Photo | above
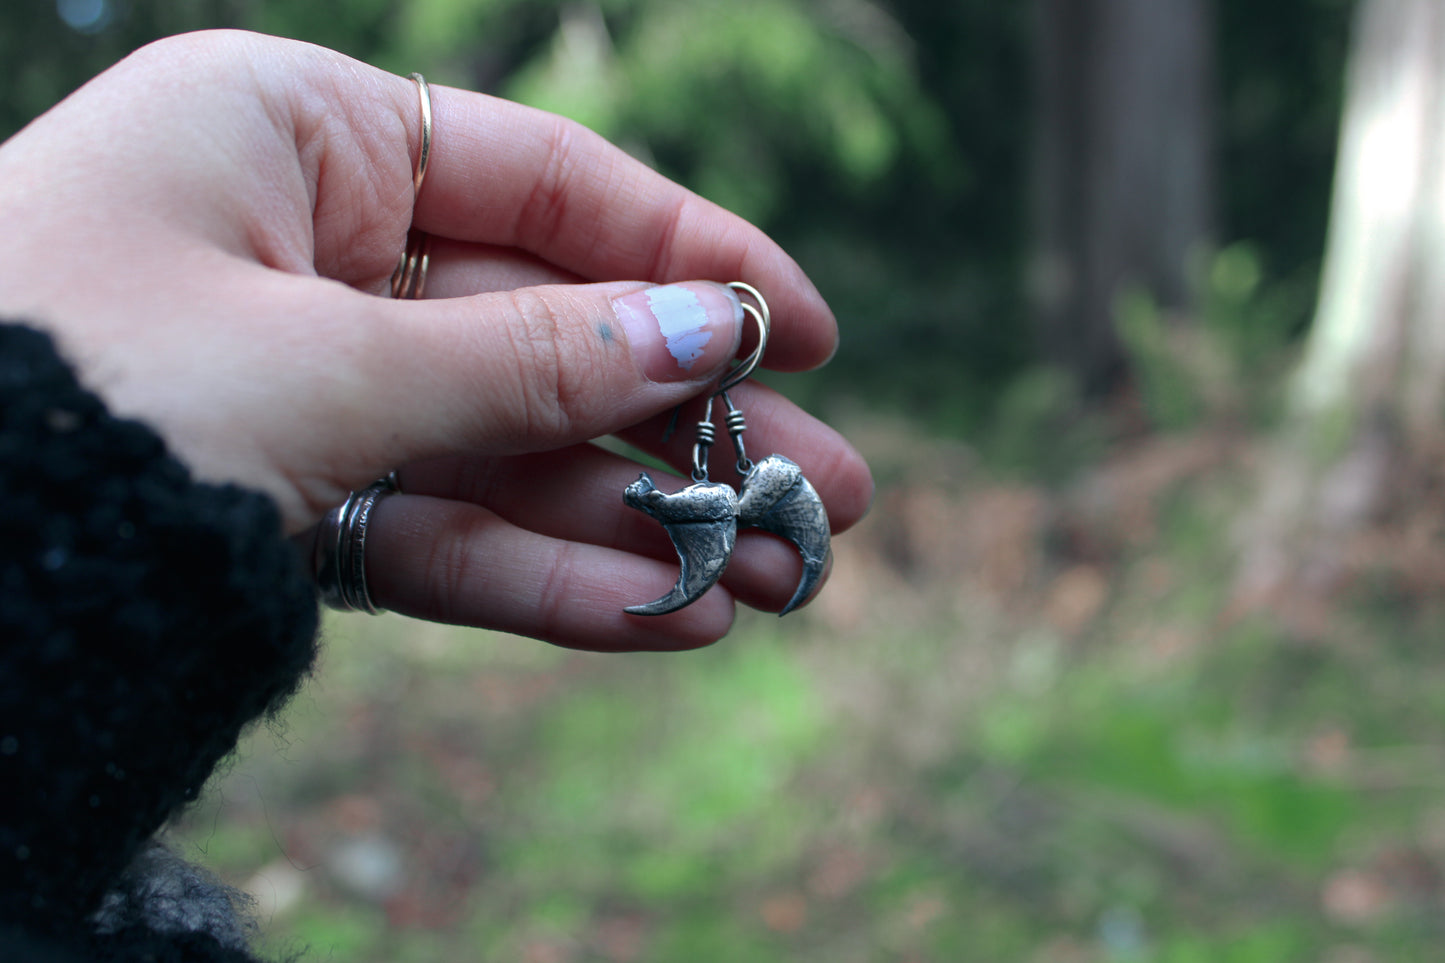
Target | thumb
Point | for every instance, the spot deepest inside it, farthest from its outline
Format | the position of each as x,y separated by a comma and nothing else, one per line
544,367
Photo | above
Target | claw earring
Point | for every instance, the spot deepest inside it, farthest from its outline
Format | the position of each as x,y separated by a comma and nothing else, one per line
703,519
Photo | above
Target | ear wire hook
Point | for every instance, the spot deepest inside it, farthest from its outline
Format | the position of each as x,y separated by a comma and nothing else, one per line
764,318
736,423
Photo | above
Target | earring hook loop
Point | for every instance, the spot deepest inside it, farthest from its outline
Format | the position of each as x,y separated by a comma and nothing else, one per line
764,320
706,431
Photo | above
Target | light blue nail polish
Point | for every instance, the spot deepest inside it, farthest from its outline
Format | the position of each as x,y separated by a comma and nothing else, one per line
683,321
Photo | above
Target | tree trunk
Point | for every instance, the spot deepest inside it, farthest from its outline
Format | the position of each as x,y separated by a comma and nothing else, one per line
1370,388
1123,167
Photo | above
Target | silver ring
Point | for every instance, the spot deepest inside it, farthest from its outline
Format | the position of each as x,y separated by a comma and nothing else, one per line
340,551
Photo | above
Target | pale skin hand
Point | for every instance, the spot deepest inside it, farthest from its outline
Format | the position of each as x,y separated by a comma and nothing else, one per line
209,230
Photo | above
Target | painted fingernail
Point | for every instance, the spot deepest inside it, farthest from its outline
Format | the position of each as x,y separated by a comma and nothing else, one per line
680,331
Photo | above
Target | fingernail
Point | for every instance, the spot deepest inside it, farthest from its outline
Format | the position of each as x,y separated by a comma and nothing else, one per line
680,331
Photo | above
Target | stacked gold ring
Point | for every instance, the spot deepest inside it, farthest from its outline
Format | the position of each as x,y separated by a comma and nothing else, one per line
409,278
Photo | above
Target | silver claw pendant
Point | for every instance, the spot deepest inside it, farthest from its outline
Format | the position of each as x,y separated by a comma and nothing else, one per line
703,519
777,498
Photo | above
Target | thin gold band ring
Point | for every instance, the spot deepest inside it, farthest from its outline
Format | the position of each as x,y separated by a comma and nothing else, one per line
424,94
408,280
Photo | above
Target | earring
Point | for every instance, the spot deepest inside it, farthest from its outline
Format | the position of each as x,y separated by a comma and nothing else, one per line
703,519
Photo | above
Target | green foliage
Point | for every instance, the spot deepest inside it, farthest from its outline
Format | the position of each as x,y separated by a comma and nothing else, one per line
1182,741
937,782
710,935
1193,749
1092,799
1281,80
1273,942
1230,360
885,144
705,778
358,28
45,59
1252,313
1166,371
344,935
1041,428
727,96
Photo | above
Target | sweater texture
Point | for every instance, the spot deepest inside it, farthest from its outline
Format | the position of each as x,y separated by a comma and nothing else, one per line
145,619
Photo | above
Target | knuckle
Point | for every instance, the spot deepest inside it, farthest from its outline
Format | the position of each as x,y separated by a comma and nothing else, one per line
451,572
556,592
534,339
551,394
541,217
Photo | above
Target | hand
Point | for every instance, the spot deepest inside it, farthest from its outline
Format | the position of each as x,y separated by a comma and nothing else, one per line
209,229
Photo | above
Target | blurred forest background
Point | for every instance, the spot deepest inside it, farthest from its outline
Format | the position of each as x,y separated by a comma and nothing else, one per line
1137,656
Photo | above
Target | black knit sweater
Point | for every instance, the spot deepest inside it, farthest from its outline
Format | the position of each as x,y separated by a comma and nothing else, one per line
145,618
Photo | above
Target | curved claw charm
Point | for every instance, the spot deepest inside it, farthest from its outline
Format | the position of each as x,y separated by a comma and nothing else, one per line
702,521
777,498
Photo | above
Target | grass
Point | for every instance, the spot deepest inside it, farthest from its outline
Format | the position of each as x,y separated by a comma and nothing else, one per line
1021,724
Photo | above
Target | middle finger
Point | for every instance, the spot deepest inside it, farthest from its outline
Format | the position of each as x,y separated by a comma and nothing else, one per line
575,494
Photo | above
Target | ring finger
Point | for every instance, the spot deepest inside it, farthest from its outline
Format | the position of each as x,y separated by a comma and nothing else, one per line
576,494
450,561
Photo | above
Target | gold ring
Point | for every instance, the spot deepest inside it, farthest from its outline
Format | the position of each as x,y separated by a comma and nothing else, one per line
424,93
409,278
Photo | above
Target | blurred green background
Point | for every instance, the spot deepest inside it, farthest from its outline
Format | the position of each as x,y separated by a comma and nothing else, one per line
1033,716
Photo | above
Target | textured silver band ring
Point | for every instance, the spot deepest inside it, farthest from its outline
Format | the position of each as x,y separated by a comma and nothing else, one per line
340,551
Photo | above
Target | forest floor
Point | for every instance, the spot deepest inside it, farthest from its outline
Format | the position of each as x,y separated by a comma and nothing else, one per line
1023,722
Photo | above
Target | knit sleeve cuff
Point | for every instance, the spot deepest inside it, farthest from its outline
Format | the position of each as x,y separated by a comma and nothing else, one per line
145,618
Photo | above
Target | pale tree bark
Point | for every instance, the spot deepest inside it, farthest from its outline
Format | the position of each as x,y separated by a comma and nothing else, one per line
1370,389
1123,172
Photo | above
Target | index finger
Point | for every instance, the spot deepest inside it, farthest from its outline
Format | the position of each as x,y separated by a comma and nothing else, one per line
505,174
